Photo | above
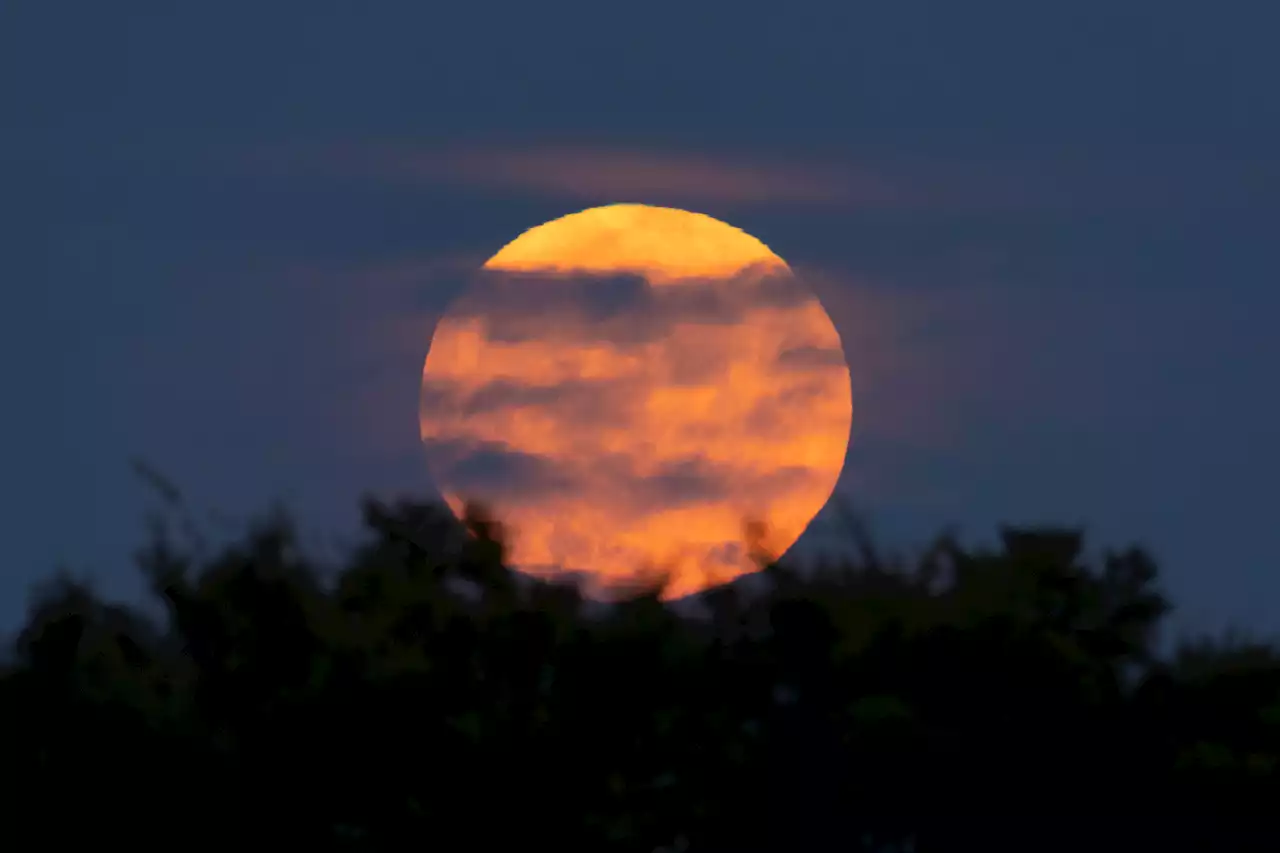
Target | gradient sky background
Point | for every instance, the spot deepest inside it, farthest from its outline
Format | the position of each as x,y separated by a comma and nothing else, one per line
1046,232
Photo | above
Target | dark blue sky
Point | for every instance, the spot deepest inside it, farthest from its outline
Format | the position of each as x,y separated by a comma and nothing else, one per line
1045,231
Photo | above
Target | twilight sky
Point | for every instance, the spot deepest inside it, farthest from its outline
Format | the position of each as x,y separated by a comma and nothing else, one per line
1044,232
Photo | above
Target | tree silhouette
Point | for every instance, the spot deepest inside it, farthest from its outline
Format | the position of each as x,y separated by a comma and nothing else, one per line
421,695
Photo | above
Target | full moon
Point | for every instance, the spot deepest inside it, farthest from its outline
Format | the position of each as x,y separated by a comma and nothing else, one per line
628,385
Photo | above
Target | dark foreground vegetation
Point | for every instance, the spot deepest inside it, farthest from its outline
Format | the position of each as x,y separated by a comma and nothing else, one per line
422,697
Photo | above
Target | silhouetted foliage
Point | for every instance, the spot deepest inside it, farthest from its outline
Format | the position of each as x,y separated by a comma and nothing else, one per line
422,696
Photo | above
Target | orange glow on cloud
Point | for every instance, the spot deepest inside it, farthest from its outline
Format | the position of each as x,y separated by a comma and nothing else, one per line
626,385
595,173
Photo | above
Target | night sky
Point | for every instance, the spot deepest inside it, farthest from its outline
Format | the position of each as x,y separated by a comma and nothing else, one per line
1045,233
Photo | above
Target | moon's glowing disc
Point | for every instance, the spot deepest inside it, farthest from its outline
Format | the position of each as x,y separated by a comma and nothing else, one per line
625,386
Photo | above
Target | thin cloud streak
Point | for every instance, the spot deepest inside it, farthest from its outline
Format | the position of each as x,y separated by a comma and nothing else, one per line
918,359
603,175
591,174
1157,179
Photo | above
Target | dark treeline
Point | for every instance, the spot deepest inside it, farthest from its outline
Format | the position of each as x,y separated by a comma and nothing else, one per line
421,696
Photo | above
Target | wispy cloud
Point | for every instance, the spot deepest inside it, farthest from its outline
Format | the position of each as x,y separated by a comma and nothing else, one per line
604,174
665,415
1050,182
592,174
918,358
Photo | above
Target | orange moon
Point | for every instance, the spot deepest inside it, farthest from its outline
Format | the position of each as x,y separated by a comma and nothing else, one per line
625,386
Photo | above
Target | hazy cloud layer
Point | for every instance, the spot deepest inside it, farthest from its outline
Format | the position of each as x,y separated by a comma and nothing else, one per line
1133,178
593,174
623,309
617,424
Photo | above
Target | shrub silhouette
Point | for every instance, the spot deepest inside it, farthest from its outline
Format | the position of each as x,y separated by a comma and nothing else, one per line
422,696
